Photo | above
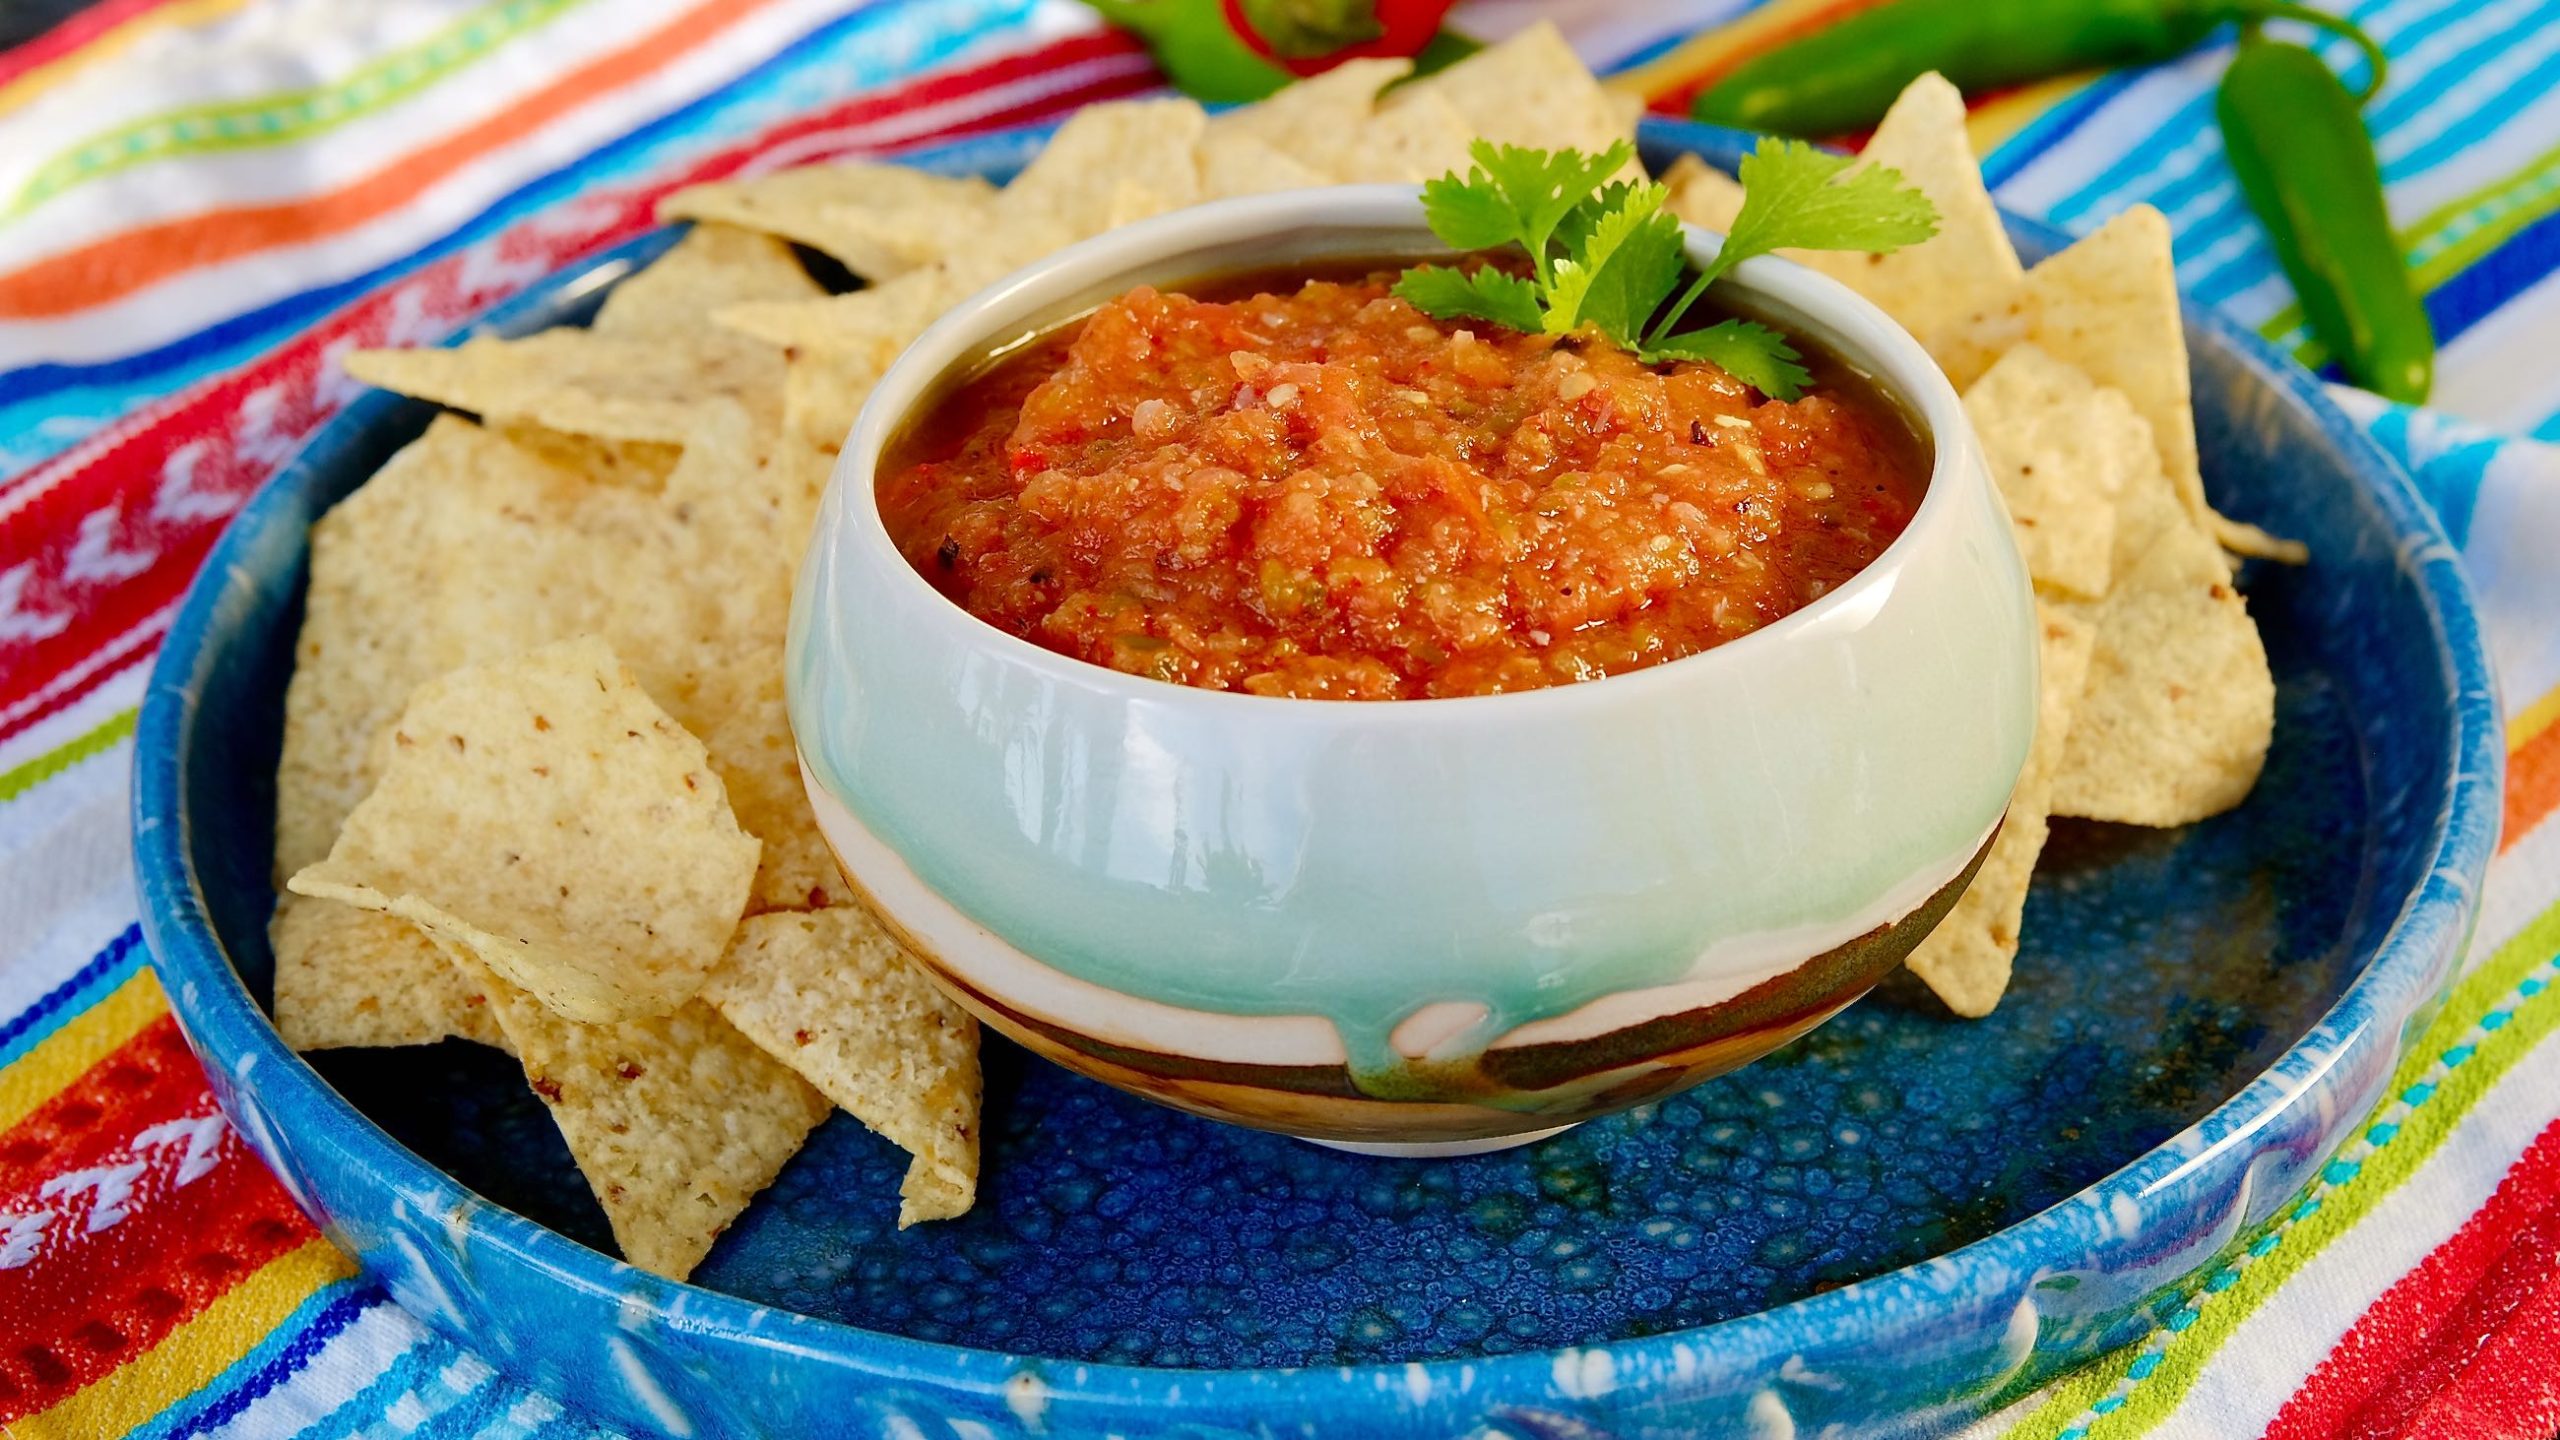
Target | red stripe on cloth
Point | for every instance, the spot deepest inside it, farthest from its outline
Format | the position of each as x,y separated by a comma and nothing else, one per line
98,539
139,1207
2512,1387
71,34
2418,1338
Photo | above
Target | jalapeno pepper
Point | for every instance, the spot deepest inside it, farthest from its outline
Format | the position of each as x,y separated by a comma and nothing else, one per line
2298,144
1842,77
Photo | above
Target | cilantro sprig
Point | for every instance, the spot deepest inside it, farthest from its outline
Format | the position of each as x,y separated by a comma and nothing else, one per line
1608,255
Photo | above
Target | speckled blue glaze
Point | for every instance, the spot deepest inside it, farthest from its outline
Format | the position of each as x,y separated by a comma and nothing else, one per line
1888,1227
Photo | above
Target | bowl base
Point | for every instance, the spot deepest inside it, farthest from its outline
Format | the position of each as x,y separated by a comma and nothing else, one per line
1437,1149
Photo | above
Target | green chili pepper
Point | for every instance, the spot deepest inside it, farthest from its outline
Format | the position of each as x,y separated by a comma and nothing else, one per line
1843,77
2299,147
1195,47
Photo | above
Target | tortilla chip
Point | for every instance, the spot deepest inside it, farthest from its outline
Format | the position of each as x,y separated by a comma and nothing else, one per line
1416,139
2242,538
1967,959
2180,706
676,1122
633,464
830,994
880,220
581,381
1233,164
1096,169
544,814
1529,90
2059,447
1307,120
711,267
1938,289
350,977
2109,305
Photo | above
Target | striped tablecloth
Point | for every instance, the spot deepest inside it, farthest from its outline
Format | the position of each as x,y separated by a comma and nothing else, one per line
203,201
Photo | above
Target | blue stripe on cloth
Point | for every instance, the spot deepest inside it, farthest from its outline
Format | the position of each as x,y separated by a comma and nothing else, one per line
31,1026
2474,293
2040,134
2449,459
847,54
269,1363
2549,429
367,1406
2166,136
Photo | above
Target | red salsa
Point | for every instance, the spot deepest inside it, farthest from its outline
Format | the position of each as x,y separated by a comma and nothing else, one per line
1326,494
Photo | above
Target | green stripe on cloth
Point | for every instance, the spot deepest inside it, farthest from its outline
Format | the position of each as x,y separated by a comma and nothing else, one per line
2447,242
2444,1075
22,778
292,115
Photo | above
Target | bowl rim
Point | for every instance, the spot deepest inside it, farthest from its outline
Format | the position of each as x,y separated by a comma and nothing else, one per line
228,1027
1859,333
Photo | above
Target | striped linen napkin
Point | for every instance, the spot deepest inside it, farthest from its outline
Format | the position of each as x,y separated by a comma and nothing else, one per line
202,201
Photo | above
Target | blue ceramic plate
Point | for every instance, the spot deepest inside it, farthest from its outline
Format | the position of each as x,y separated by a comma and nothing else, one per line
1895,1223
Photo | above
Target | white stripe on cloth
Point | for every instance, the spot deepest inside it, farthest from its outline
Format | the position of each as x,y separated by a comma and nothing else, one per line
197,298
2504,372
122,691
2265,1359
325,159
258,49
66,876
351,1360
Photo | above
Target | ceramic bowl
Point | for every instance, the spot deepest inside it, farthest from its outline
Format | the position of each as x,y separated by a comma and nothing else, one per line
1441,923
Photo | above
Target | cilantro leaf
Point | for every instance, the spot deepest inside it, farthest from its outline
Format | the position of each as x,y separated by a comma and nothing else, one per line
1748,350
1542,187
1795,196
1613,275
1487,294
1470,214
1607,254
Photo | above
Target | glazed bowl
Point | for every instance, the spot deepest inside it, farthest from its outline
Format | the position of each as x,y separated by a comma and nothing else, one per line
1426,925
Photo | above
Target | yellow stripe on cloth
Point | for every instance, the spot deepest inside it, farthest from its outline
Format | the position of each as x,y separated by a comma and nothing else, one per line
1996,119
191,1356
2537,717
67,1053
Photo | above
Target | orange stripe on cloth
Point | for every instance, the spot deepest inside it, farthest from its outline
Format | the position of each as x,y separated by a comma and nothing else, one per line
36,79
117,265
2533,783
194,1353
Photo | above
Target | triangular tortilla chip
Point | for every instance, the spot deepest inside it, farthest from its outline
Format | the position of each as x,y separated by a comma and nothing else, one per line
1105,154
1529,90
1967,959
347,977
676,1122
545,815
1941,288
2109,306
1233,164
583,381
1307,120
711,267
830,994
2059,447
2180,706
880,220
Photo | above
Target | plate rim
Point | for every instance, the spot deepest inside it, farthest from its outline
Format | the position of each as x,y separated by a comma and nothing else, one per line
2401,978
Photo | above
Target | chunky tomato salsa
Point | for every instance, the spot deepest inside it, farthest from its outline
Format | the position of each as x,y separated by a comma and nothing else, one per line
1324,494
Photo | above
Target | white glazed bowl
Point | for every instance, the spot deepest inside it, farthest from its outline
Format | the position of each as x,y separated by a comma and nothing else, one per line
1431,923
